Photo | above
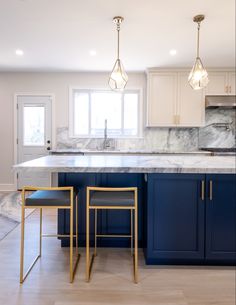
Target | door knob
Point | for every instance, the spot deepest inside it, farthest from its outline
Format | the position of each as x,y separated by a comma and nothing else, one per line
48,148
48,141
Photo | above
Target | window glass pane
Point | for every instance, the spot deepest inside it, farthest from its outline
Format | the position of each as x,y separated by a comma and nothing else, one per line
81,113
131,114
34,125
106,106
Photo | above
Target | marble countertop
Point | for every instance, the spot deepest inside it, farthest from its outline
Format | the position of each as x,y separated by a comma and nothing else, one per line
130,164
75,151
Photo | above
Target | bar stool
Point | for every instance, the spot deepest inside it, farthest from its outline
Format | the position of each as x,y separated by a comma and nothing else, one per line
49,197
106,198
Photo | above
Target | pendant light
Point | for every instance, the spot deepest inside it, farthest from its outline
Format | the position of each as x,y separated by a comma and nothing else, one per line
198,77
118,78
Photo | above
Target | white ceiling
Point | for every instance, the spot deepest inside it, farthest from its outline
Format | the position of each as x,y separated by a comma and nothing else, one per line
58,34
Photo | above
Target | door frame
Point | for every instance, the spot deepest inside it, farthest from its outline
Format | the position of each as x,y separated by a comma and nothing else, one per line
15,145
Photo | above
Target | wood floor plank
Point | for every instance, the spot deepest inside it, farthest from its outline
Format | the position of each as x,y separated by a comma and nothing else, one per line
111,282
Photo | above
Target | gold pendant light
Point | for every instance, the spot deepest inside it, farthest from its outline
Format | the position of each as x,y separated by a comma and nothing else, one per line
198,77
118,78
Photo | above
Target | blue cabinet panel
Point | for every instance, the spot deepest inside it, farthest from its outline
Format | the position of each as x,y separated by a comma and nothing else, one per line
221,218
175,218
109,222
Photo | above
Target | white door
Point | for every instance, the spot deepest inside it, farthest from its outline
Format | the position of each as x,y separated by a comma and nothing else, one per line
33,135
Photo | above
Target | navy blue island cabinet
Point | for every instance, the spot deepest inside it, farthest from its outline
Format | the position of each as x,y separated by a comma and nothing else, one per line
221,218
190,219
183,218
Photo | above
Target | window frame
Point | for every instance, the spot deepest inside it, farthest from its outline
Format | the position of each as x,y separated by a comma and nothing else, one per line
73,89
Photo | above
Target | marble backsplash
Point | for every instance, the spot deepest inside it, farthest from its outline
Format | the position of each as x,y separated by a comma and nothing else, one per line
219,131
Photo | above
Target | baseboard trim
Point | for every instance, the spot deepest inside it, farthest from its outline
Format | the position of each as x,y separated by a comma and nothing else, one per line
7,187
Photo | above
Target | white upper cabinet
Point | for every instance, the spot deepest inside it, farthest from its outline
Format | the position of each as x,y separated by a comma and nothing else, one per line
218,83
162,96
190,106
221,83
171,102
231,81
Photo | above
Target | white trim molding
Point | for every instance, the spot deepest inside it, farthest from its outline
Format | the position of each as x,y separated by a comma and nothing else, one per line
7,187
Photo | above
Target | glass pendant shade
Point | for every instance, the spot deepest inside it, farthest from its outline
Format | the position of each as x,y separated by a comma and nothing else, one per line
118,78
198,77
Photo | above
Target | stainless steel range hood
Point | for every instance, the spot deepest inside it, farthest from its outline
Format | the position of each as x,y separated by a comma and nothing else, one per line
213,101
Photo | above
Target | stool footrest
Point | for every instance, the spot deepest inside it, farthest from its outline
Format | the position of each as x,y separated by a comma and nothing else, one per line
113,235
57,235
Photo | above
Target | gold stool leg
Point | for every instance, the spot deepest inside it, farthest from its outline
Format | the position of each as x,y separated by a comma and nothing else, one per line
22,275
40,232
22,241
87,239
136,239
131,233
95,234
71,238
76,224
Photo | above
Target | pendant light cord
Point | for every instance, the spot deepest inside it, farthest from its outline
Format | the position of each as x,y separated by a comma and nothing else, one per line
198,38
118,41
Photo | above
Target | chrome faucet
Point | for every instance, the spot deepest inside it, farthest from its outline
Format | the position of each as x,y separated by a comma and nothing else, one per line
105,141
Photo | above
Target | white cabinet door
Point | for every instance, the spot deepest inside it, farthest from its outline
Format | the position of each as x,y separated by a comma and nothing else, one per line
162,96
231,82
191,106
218,82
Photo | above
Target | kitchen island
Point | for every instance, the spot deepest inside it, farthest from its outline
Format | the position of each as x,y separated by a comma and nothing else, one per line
186,203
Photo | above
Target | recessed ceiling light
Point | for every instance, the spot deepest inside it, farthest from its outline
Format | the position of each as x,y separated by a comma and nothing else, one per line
173,52
19,52
93,52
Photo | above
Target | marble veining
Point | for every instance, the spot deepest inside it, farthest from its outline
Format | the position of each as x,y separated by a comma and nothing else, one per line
166,139
130,164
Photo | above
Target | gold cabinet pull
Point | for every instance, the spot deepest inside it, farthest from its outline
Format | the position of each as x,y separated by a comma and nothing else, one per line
203,190
211,190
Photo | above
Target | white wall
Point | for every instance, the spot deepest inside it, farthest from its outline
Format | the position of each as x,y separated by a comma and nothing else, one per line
40,82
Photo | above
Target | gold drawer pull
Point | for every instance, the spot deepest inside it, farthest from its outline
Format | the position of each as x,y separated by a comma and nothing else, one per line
211,190
203,190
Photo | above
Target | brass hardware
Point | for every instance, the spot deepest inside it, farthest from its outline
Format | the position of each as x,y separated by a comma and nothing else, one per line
71,235
203,190
178,119
211,190
226,89
118,19
89,262
198,18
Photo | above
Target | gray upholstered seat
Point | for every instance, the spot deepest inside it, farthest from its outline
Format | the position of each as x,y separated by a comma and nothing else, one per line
112,198
49,198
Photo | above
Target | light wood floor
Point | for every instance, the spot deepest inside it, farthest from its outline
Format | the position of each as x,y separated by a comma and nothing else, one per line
111,281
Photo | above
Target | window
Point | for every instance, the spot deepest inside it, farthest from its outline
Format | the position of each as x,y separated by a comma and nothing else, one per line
34,123
89,109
